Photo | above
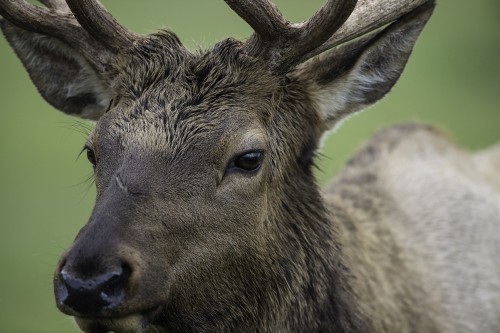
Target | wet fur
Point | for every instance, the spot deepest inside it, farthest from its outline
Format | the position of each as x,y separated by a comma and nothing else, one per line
219,252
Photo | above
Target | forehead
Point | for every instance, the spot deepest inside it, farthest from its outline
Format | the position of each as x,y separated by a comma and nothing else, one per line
158,66
174,99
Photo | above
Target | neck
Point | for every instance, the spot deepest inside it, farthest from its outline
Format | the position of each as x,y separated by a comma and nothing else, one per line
298,283
319,298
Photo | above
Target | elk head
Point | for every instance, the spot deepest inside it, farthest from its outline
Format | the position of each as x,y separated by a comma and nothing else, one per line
207,215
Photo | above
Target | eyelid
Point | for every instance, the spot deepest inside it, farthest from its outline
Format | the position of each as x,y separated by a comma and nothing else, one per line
110,105
232,168
87,147
89,144
243,153
81,151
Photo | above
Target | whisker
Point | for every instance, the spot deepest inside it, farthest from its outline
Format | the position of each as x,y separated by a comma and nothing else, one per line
82,127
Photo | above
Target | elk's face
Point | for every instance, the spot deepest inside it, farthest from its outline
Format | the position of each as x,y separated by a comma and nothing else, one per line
203,161
183,169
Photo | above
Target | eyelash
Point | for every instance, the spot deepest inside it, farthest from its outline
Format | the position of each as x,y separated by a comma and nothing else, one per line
248,162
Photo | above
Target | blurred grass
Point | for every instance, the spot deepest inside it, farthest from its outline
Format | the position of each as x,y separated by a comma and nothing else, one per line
452,80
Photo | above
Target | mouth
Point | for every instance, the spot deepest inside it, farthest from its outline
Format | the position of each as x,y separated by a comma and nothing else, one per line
131,323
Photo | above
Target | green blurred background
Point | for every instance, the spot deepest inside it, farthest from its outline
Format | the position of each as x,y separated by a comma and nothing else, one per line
452,80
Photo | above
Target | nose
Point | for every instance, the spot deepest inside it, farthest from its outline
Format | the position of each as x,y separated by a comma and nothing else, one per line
90,295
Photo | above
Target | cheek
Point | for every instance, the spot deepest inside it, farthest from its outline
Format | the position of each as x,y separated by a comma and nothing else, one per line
227,228
241,206
239,190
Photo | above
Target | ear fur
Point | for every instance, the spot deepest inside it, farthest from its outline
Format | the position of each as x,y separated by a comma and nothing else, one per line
62,76
354,76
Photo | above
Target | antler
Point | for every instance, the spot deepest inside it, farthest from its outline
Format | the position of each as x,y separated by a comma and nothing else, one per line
281,43
100,24
284,45
83,24
369,15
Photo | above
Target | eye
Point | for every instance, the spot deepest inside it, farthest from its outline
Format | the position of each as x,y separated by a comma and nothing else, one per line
247,162
91,156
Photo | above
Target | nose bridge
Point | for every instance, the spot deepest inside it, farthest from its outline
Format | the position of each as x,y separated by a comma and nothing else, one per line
136,176
100,241
134,194
140,179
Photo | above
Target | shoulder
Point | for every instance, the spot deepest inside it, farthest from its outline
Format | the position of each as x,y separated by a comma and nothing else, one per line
411,167
418,170
410,140
399,146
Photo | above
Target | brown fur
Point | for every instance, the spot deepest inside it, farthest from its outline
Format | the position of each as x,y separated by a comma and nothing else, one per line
195,244
377,232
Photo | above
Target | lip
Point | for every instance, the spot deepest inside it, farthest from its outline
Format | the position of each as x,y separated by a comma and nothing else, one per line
129,323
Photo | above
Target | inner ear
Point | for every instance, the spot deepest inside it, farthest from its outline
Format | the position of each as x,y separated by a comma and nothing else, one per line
62,76
354,76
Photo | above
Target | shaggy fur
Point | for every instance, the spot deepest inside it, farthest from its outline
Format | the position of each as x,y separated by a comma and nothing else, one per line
194,243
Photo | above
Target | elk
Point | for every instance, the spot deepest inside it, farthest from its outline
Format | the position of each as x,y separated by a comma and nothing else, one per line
208,217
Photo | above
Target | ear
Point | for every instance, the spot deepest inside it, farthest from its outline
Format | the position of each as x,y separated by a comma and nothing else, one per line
62,76
354,76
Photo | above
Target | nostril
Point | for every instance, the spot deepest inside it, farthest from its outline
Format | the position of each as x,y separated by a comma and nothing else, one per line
91,295
114,287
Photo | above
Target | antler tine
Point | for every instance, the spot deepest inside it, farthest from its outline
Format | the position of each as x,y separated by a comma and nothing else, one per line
90,14
57,22
326,22
56,4
315,31
368,16
262,15
29,17
99,23
284,44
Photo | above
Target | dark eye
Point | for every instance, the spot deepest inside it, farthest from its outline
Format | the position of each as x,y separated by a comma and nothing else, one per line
91,156
248,162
